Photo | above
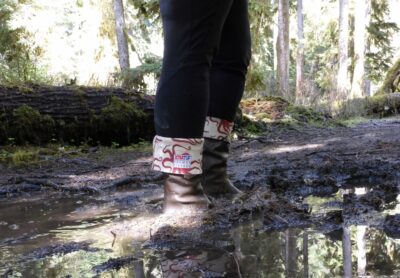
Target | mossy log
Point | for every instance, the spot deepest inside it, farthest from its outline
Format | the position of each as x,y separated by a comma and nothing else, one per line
383,105
391,83
39,114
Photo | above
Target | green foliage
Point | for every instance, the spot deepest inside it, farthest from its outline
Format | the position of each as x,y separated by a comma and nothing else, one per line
380,38
17,58
148,15
135,77
321,58
261,74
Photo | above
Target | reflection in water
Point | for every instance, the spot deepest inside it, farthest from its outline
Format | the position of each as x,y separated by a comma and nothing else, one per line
197,263
361,251
246,251
290,253
346,246
305,254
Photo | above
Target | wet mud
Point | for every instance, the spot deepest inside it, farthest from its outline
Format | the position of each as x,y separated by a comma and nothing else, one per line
317,202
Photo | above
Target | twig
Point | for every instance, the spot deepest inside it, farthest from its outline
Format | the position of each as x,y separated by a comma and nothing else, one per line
115,236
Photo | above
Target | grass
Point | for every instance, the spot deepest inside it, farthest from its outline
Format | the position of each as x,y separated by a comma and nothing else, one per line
19,156
353,121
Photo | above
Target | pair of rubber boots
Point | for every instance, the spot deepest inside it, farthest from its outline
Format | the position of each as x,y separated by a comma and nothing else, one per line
185,193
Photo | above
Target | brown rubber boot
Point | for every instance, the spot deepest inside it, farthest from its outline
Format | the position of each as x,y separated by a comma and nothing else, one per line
184,194
215,179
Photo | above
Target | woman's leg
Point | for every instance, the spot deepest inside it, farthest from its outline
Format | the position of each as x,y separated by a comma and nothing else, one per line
192,31
227,80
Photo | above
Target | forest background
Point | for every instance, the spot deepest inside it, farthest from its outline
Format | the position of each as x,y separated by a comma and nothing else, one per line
316,53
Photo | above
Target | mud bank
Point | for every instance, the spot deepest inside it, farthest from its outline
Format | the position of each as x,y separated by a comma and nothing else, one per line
321,202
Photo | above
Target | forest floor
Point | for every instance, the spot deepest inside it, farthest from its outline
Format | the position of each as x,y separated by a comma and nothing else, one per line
323,179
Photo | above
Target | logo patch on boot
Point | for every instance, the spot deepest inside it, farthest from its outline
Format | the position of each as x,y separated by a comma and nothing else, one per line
183,161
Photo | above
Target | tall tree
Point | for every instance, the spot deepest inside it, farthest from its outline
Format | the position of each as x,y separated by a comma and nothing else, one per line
360,15
123,50
300,52
342,88
367,82
380,38
283,48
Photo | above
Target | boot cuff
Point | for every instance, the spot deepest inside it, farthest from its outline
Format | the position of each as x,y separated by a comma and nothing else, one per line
218,129
177,155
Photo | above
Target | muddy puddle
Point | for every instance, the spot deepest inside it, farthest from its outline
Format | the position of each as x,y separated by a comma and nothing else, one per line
79,236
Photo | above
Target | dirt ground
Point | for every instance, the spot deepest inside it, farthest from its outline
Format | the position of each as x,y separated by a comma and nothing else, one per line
289,175
289,163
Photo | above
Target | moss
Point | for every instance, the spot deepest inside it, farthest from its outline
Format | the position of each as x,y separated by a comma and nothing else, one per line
24,89
392,74
121,122
28,125
79,92
305,115
19,156
260,113
23,157
383,105
265,109
142,146
353,121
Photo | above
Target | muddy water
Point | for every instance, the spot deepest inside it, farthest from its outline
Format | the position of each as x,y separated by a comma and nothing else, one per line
54,236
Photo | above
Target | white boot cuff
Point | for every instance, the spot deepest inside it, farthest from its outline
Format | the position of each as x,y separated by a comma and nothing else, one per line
177,155
216,128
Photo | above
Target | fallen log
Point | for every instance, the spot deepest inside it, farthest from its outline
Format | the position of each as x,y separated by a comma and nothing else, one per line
41,114
383,105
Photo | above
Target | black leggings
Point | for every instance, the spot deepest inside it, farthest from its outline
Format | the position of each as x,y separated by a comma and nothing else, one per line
207,52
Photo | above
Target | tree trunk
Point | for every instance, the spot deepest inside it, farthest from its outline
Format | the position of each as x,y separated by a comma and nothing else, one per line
68,102
305,254
283,49
123,51
342,87
300,52
346,245
358,85
367,83
290,253
42,114
361,250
